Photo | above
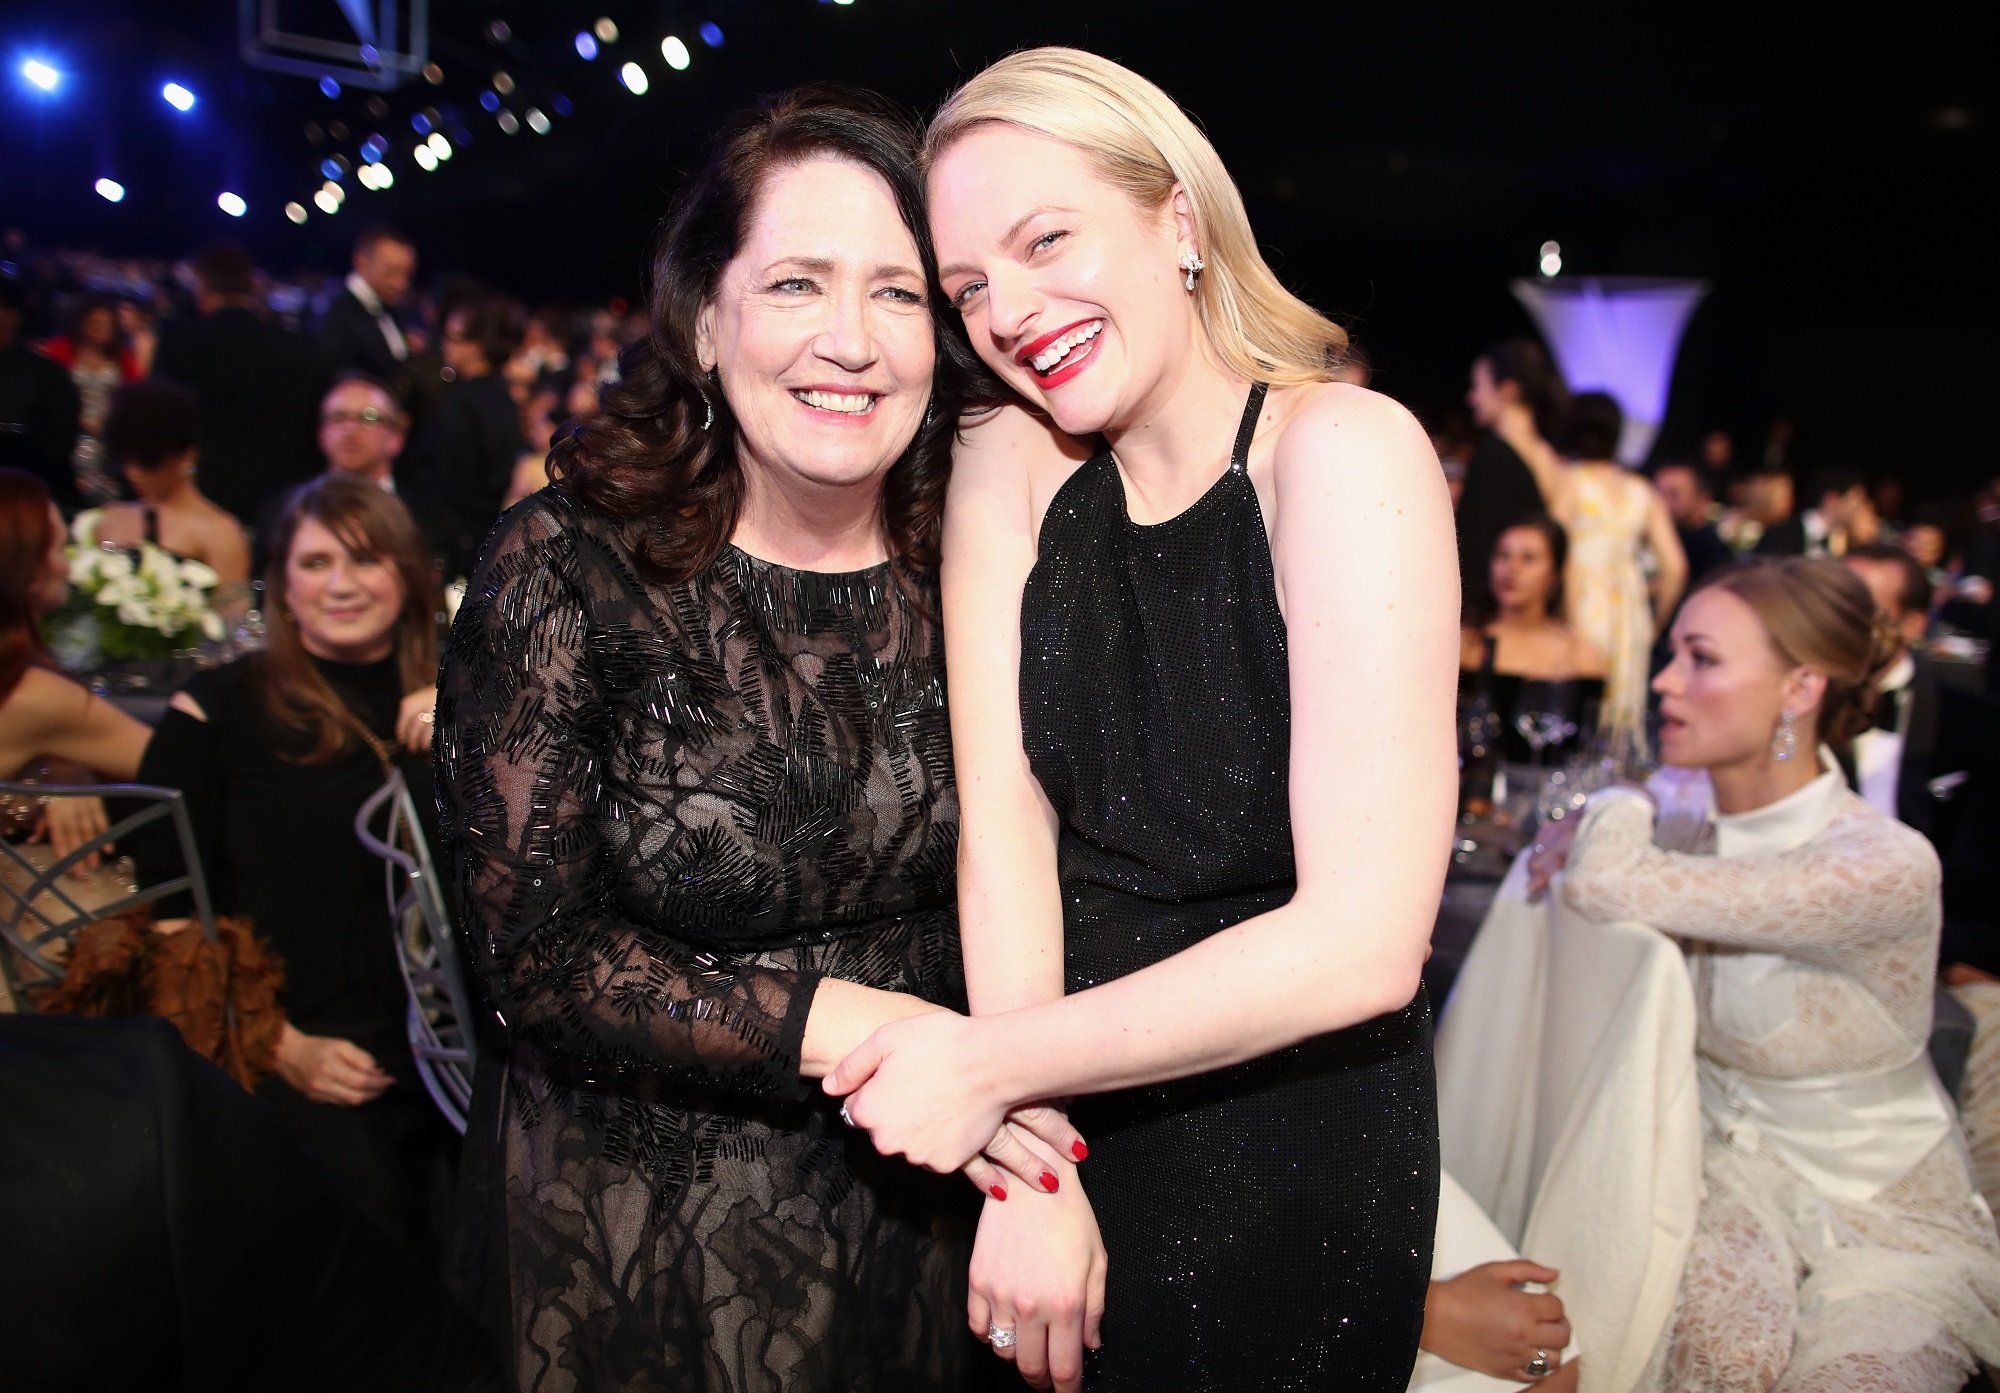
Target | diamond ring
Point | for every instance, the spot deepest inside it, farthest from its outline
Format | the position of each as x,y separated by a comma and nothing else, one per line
1000,1336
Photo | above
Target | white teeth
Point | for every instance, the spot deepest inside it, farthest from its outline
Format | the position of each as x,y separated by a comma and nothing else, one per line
1060,349
852,403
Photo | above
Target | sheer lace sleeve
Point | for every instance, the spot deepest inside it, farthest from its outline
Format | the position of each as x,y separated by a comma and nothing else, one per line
1865,881
544,672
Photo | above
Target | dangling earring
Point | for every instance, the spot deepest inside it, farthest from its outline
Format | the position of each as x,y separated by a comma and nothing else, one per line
1785,743
1193,265
708,408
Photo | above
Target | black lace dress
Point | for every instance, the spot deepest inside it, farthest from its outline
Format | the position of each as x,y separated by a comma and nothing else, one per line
1269,1226
670,810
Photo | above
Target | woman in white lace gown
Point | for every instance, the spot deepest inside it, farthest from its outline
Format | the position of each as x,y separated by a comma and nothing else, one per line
1840,1244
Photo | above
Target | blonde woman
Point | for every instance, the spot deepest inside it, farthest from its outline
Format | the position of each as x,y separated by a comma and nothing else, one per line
1201,689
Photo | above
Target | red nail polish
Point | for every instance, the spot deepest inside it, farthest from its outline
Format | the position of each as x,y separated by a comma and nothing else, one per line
1049,1181
1078,1149
996,1192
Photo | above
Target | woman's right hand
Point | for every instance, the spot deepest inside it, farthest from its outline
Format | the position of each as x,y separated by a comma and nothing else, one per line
1483,1320
327,1069
1549,854
1038,1269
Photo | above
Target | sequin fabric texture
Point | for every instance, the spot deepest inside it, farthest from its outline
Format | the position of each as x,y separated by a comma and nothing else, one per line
1269,1226
670,812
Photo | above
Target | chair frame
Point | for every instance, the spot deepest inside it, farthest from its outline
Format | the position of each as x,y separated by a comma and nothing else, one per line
439,1024
29,929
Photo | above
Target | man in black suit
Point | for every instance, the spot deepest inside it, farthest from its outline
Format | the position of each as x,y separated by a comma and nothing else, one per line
39,406
359,331
1688,490
1840,503
257,382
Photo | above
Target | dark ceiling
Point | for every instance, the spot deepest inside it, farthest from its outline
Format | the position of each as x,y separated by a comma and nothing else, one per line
1401,163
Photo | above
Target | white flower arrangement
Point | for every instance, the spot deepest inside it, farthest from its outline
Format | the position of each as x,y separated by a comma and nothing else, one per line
139,603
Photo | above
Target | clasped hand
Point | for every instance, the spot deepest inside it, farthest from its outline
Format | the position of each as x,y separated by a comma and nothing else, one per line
923,1089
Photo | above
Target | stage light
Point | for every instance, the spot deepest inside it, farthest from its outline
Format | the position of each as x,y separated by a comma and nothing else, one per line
110,190
296,212
232,204
586,46
711,34
333,191
426,161
326,202
490,101
635,79
373,149
503,84
365,176
1551,262
537,122
385,177
676,53
433,74
607,32
177,97
563,105
508,122
439,146
43,75
331,88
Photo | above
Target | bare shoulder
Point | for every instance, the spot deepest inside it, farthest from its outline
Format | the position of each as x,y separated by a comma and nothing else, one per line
1338,426
43,701
1014,454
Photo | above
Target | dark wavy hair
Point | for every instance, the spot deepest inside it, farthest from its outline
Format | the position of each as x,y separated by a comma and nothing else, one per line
1528,366
643,456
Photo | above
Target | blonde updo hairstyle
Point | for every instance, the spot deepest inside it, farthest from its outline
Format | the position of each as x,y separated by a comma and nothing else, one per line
1818,614
1144,144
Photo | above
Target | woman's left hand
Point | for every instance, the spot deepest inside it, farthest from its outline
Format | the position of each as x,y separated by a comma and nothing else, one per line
923,1089
67,823
414,719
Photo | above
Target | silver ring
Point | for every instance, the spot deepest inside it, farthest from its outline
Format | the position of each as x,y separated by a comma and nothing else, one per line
1000,1336
846,1116
1538,1367
427,717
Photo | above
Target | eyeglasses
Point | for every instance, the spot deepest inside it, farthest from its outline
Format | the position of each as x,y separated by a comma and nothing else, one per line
366,416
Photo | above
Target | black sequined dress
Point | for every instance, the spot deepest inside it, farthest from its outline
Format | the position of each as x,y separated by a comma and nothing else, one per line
1269,1226
670,811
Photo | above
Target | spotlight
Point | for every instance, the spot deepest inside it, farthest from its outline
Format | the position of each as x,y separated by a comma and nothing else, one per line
385,177
607,32
490,101
634,78
334,192
42,74
586,46
296,212
503,83
110,190
426,161
421,124
177,97
675,52
537,122
232,204
509,123
326,202
331,88
373,148
439,146
1551,262
711,34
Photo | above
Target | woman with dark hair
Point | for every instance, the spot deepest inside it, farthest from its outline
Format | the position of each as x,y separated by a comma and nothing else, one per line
1517,635
466,450
1613,514
696,789
42,712
94,353
1840,1243
150,435
276,753
1518,400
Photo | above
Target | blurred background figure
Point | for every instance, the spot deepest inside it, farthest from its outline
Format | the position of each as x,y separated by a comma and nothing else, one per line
1518,401
1687,490
258,385
465,451
39,407
360,330
94,353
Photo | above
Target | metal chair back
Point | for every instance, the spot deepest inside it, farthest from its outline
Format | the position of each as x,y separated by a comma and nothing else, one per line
41,909
440,1020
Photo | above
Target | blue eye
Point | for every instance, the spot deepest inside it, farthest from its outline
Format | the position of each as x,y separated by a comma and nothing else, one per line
966,292
793,283
1046,240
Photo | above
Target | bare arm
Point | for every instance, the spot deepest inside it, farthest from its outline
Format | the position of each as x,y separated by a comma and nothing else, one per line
48,714
1364,550
1670,557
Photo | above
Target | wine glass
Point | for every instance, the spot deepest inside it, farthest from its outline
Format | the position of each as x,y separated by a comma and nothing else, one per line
1542,717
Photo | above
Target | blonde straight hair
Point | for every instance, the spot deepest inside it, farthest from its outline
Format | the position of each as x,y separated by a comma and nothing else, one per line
1144,144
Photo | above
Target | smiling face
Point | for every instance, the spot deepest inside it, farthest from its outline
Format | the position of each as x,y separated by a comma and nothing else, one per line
1524,570
1069,291
820,330
1723,692
345,602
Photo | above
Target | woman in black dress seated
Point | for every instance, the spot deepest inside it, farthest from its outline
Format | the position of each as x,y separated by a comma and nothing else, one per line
697,792
1202,713
275,754
1516,644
